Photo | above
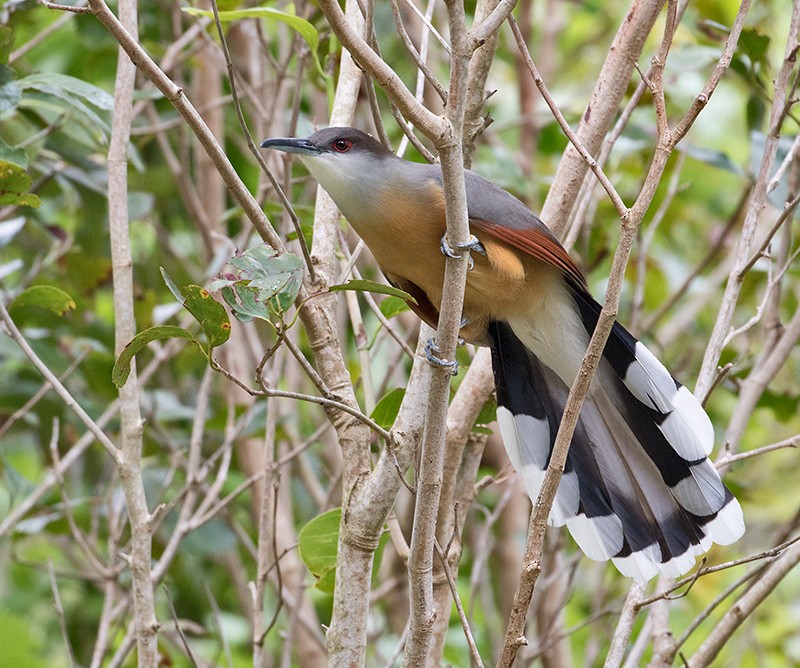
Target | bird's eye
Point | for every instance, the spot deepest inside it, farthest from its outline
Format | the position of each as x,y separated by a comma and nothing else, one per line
342,145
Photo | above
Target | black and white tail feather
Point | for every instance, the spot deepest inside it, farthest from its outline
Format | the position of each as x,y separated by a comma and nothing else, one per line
638,487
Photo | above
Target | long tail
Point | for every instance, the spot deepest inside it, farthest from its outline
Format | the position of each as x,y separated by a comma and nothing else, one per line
638,487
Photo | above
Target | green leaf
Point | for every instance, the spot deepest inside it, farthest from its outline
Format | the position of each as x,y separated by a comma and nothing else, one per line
262,283
755,44
13,154
488,412
14,186
318,543
204,308
385,411
209,313
392,306
6,43
362,285
10,92
73,92
122,367
69,87
45,296
302,27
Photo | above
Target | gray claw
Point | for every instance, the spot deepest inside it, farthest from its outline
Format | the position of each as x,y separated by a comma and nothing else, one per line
430,349
473,244
447,249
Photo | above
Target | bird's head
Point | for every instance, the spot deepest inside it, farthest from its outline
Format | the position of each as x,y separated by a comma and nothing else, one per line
349,164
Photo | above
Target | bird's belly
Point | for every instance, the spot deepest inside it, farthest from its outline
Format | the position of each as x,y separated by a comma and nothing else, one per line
505,282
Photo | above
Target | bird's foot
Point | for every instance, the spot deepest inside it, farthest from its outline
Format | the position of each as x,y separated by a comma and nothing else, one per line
431,352
473,244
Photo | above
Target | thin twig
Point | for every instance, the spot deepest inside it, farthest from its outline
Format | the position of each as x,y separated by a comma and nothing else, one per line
793,442
59,388
322,401
707,570
173,613
73,9
59,608
622,209
473,648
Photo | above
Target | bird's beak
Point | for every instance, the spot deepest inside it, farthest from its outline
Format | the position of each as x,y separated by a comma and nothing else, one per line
292,145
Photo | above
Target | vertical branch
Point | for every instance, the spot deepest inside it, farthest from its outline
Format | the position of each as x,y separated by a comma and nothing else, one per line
464,408
130,460
347,635
450,144
429,485
622,633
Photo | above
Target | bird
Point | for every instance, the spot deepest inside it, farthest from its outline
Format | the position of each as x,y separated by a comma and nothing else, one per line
638,487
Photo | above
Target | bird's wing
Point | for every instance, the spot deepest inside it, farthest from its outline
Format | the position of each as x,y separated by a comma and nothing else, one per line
536,241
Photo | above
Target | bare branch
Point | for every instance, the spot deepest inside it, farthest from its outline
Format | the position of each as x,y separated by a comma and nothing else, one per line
793,442
473,648
622,633
129,462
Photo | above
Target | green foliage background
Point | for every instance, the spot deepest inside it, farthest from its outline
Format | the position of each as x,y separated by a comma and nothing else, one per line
55,112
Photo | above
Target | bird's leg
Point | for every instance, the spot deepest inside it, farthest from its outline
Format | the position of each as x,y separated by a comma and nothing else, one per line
473,244
431,350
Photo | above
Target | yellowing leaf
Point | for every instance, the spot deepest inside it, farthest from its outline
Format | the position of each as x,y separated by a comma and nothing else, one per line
45,296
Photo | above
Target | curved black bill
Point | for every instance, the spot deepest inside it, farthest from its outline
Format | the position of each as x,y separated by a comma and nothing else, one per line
292,145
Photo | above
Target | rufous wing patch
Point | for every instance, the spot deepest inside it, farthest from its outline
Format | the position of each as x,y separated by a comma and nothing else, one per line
535,241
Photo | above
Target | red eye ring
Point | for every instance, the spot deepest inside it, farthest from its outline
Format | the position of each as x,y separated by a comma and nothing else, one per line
342,145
